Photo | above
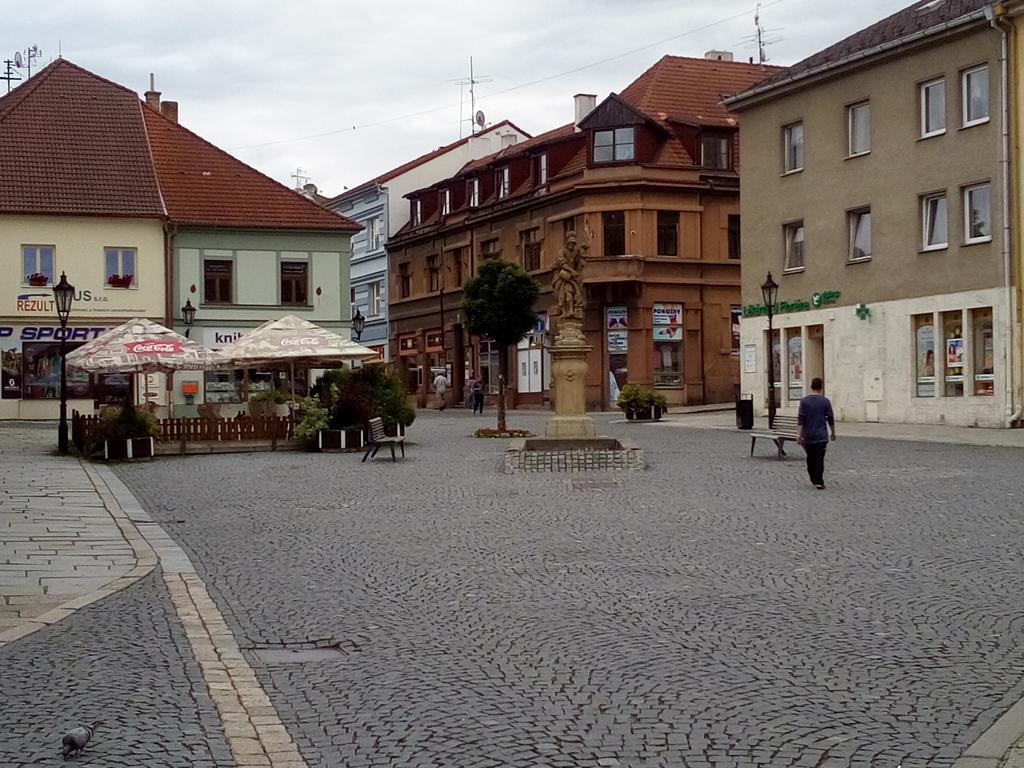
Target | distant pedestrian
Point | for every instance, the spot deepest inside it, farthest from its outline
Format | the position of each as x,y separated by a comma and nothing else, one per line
817,426
478,395
440,387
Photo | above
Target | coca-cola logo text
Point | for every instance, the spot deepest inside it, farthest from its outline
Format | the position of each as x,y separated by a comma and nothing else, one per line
153,347
300,341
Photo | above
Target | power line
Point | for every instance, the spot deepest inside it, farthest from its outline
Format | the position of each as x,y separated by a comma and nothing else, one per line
548,78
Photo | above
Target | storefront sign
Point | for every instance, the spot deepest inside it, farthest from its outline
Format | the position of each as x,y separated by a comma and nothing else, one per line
40,302
818,299
215,338
153,347
668,314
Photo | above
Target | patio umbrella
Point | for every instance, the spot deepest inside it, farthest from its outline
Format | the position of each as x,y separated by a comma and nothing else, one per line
294,341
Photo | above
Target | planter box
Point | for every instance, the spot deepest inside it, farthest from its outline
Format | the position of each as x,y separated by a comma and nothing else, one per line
38,282
394,430
340,439
119,281
135,448
652,413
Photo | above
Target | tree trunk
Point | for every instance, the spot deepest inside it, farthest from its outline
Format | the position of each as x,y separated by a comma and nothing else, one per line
502,379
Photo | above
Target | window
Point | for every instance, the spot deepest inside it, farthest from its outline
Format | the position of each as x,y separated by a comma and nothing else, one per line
952,325
433,274
795,363
975,95
933,108
120,266
614,233
615,145
542,169
714,152
984,354
978,214
859,128
924,355
446,202
668,233
474,192
529,242
667,332
793,143
417,212
734,236
41,363
37,263
859,223
794,234
934,232
568,225
490,249
456,256
373,233
294,282
375,304
501,182
735,315
217,276
404,280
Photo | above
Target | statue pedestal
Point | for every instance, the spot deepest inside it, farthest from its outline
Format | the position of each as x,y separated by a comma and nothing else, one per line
568,374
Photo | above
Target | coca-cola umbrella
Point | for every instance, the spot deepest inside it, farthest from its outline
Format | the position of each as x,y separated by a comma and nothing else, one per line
294,341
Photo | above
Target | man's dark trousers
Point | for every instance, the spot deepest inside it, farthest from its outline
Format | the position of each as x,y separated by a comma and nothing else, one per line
816,462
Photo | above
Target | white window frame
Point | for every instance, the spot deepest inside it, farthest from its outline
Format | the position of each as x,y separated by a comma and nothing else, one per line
121,251
37,259
374,304
926,222
787,142
542,168
446,202
474,193
850,110
373,233
965,99
968,240
502,176
789,233
853,218
923,98
417,212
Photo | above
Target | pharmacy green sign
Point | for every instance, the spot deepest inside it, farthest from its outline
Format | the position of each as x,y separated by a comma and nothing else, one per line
818,299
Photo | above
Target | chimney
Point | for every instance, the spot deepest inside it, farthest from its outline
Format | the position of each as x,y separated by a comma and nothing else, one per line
169,109
719,55
585,103
153,95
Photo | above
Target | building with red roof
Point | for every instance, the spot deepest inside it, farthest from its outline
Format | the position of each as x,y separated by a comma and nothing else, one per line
650,177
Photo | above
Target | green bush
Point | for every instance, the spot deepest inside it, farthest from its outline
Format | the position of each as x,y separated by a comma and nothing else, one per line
633,398
270,396
313,417
126,423
354,396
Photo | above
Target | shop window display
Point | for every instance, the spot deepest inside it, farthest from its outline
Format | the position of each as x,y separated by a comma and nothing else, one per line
953,352
924,355
984,354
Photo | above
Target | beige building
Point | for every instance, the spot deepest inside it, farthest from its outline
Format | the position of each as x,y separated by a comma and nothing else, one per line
873,191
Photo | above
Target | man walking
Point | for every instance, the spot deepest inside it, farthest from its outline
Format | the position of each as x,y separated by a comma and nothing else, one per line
817,425
440,387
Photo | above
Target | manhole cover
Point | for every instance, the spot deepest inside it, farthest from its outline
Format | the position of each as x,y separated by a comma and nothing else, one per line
584,484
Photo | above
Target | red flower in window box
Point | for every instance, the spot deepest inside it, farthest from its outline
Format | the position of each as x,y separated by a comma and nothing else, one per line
37,279
120,281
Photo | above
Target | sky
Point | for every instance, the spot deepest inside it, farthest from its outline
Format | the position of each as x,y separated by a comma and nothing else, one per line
347,90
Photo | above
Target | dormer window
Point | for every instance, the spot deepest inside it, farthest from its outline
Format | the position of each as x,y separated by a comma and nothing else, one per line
501,182
474,192
542,169
417,212
615,145
446,202
714,152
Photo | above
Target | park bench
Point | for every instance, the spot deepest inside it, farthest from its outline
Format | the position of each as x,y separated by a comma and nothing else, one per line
783,428
377,438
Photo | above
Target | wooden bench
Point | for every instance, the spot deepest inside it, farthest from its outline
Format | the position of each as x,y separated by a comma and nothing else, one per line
783,428
377,438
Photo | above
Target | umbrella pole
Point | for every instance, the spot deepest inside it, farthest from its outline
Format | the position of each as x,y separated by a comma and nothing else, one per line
291,405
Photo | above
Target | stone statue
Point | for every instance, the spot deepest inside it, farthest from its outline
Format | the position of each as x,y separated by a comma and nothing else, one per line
568,278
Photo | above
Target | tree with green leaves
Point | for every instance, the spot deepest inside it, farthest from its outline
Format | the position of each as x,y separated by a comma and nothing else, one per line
498,303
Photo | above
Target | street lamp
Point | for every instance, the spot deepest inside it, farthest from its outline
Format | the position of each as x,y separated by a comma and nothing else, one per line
188,314
358,324
63,295
769,292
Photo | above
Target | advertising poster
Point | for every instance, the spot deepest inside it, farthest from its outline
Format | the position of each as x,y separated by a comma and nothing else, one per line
925,354
11,372
668,314
954,353
668,333
617,317
618,341
795,358
750,358
777,359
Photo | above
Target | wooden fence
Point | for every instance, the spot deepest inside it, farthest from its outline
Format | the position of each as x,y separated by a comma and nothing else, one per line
192,430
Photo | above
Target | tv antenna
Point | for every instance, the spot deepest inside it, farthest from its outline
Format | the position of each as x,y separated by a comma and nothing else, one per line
9,74
301,178
762,37
472,81
31,53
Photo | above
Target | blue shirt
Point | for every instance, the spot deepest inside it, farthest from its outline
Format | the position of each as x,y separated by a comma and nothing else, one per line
815,416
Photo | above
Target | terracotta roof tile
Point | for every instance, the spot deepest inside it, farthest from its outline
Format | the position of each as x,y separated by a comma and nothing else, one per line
73,143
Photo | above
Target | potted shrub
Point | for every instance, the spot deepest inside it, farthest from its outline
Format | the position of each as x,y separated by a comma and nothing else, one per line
120,281
639,403
37,279
347,422
265,402
312,418
127,433
658,404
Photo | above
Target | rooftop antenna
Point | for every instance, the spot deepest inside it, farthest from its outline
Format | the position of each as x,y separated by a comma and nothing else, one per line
471,81
762,37
301,178
9,74
32,52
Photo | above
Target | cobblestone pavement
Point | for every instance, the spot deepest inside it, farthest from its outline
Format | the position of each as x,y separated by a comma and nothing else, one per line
714,610
57,541
124,660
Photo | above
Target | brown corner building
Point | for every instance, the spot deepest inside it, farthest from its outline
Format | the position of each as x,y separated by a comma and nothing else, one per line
651,178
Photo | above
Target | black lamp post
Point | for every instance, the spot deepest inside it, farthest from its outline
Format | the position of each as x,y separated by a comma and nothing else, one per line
188,314
358,324
63,295
770,292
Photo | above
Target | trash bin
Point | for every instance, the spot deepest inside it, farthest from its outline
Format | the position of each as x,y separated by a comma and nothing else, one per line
745,412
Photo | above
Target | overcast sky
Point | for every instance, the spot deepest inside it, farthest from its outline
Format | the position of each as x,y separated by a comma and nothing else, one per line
256,77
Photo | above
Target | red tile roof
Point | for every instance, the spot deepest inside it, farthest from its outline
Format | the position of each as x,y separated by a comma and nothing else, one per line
205,186
77,144
74,143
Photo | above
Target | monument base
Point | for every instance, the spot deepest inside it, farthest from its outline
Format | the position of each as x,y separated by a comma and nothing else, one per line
570,427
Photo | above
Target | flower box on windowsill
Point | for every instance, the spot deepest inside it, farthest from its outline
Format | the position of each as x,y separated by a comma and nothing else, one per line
340,439
120,281
37,280
134,448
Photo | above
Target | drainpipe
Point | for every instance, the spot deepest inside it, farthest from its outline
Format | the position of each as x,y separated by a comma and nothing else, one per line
997,18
